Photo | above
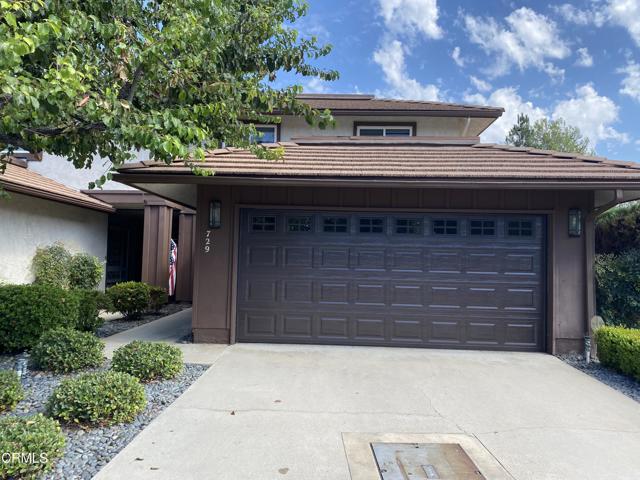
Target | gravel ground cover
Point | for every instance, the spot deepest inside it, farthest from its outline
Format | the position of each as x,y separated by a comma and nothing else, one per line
111,327
622,383
87,451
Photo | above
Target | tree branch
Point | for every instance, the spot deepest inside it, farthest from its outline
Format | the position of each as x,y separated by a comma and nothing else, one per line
128,89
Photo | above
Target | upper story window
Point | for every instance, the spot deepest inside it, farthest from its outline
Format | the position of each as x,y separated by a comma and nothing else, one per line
266,134
384,131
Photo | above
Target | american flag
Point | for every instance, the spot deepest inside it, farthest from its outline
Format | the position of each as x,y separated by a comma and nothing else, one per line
173,259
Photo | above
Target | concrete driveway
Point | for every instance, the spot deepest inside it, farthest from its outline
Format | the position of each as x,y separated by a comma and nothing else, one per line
294,412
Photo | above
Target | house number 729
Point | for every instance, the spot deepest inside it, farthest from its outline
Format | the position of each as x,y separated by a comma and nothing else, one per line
207,241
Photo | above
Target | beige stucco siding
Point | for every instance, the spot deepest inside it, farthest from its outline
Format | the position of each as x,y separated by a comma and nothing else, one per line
27,223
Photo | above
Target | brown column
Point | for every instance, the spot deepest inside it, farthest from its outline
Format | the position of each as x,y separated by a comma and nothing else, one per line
155,243
186,245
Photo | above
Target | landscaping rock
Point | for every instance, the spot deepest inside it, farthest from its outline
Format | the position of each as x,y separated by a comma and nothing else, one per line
111,327
88,450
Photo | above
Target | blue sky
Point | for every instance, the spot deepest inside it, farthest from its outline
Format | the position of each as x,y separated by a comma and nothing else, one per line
571,60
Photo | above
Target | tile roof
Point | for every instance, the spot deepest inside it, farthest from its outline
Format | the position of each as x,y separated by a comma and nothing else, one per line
349,104
427,161
22,180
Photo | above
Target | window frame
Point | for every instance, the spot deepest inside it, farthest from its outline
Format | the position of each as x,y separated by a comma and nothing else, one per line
371,226
508,229
299,218
445,233
276,132
411,126
419,227
252,223
482,227
336,217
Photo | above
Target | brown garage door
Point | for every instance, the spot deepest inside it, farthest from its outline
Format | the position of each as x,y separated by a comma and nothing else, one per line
361,278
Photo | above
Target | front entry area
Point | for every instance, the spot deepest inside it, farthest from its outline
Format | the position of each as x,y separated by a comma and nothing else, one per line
450,280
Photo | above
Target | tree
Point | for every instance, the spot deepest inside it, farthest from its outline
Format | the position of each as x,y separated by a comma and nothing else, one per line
548,135
80,78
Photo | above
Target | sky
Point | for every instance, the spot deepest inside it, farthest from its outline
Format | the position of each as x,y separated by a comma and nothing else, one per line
578,61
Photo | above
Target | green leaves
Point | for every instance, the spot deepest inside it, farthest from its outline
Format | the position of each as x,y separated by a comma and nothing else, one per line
548,135
80,79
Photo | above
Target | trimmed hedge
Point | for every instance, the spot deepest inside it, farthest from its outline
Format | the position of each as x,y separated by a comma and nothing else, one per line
103,398
157,298
27,311
85,271
11,391
619,348
618,288
64,350
129,298
88,310
34,442
51,265
148,361
618,229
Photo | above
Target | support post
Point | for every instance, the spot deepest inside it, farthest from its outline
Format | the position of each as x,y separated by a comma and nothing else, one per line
186,246
155,243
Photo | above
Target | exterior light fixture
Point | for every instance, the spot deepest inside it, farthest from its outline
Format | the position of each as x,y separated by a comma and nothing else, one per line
214,214
575,222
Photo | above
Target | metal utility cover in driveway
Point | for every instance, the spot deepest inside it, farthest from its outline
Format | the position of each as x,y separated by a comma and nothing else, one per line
409,461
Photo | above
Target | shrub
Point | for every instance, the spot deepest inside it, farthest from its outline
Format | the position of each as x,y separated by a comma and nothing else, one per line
64,350
36,435
147,360
51,265
619,348
85,271
618,229
88,312
618,288
129,298
27,311
157,298
103,398
11,391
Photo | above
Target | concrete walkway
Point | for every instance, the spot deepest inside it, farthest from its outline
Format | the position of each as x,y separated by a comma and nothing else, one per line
170,329
304,412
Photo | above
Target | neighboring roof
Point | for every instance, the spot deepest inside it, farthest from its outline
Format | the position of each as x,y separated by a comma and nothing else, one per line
348,104
431,160
22,180
131,199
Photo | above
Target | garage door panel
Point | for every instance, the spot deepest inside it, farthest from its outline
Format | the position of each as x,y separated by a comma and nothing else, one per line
390,288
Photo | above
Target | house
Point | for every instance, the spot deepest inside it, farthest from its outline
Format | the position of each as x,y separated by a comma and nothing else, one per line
128,229
40,211
396,228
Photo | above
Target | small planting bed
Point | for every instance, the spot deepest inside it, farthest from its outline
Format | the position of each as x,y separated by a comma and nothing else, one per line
89,449
111,327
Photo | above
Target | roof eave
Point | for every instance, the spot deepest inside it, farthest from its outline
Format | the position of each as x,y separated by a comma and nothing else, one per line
34,192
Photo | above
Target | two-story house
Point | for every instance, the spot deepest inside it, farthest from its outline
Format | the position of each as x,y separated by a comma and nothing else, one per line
396,228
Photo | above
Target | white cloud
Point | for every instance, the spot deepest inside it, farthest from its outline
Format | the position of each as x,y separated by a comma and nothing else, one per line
316,85
391,58
411,16
626,13
593,114
455,54
584,58
480,84
631,82
572,14
528,39
513,104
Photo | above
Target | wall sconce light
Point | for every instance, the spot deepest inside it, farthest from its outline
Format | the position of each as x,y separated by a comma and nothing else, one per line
575,222
214,214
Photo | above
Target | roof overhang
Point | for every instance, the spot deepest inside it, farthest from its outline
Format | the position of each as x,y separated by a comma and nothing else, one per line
54,197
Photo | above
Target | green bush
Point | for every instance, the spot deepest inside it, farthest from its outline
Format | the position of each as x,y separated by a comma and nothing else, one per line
619,348
103,301
88,311
85,271
51,265
148,361
103,398
11,391
618,288
157,298
618,229
35,443
65,350
27,311
129,298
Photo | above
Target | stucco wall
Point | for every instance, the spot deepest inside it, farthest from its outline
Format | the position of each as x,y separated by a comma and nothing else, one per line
425,126
27,223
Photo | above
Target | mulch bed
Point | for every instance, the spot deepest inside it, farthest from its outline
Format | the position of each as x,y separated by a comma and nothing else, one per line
111,327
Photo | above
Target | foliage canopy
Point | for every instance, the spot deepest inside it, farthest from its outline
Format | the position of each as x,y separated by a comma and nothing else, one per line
548,135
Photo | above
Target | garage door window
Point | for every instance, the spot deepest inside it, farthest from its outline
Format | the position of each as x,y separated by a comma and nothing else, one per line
520,228
482,227
371,225
263,224
445,227
408,226
299,224
335,224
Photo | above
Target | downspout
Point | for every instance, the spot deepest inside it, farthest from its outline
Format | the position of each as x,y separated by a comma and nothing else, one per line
590,247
